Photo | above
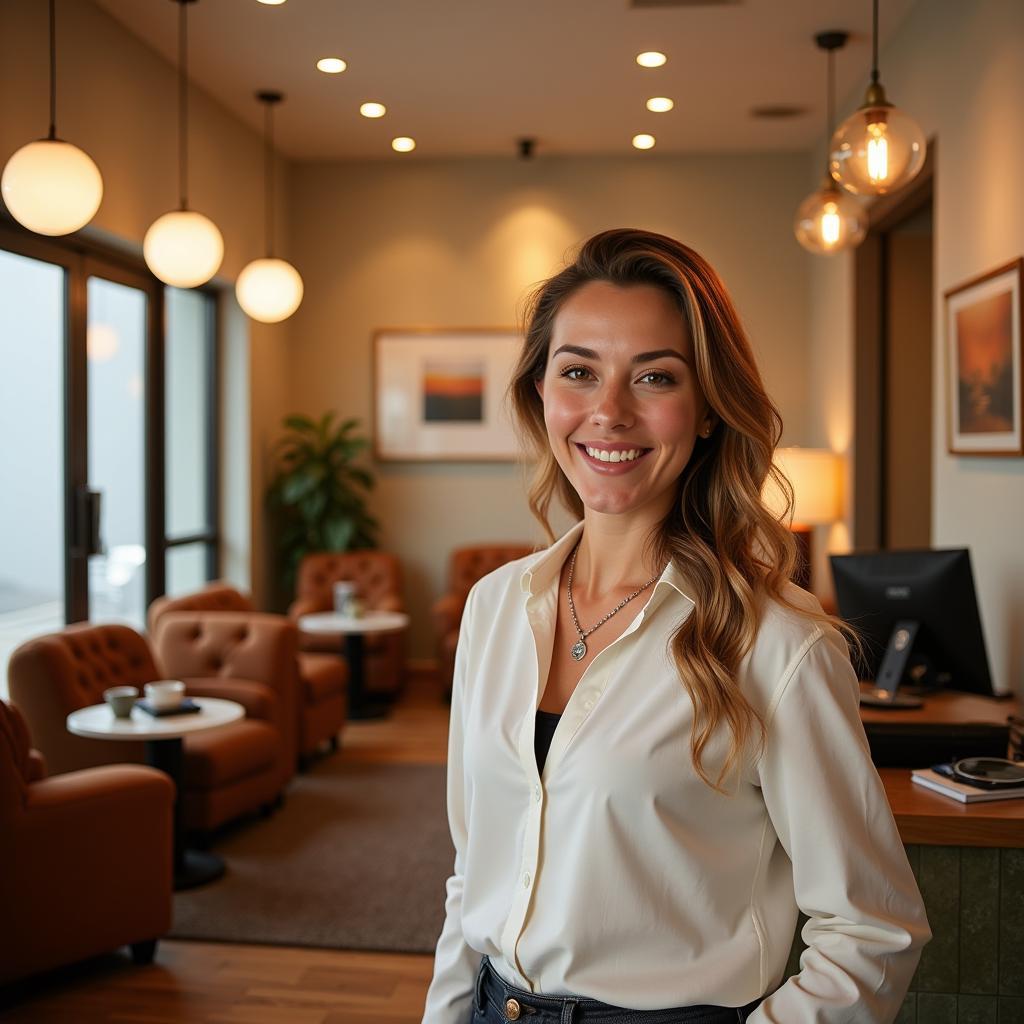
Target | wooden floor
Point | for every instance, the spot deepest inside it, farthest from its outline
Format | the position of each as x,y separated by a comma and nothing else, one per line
220,982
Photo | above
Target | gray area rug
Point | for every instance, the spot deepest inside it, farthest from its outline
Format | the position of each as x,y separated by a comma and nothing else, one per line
356,858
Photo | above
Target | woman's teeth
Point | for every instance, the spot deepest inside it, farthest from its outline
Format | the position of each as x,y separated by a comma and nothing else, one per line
606,456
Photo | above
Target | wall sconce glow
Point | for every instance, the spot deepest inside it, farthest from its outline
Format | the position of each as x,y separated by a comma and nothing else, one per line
269,290
331,65
373,110
643,141
660,104
52,187
651,59
101,343
829,220
403,144
183,248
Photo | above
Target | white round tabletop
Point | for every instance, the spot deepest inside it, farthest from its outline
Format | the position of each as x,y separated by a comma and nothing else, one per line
99,722
371,622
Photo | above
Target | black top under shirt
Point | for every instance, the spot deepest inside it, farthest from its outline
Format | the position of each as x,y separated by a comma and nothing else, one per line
542,733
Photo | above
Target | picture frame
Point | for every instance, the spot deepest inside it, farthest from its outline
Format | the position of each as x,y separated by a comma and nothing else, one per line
984,368
439,394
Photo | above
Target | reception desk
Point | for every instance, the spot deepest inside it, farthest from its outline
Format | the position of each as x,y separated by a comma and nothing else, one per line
969,863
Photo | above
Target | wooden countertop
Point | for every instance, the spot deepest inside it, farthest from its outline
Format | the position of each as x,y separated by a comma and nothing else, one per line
930,818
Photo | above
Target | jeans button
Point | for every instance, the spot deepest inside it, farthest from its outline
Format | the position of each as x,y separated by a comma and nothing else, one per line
512,1009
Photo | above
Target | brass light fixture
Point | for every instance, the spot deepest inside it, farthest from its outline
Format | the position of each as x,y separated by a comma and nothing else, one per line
50,186
183,248
829,220
269,289
878,148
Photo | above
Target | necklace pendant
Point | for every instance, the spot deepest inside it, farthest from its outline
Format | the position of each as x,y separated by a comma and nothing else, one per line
579,650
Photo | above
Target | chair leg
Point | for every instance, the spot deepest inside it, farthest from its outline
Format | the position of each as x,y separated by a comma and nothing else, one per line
334,743
143,952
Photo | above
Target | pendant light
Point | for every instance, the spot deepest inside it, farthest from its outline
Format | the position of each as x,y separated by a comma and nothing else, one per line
50,186
183,248
878,148
269,289
829,220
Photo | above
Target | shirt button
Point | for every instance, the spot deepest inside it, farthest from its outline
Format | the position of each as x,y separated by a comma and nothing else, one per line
536,793
588,703
526,880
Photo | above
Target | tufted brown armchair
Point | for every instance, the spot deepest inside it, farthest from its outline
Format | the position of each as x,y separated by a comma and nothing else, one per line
85,859
229,771
378,580
467,565
321,692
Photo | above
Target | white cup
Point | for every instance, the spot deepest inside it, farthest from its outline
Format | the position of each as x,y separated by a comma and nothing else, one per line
344,591
165,695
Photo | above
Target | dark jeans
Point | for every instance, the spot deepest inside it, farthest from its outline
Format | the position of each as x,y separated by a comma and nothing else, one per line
497,1002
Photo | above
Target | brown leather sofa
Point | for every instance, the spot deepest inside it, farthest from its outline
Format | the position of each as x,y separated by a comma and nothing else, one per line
378,579
229,771
322,690
85,858
467,565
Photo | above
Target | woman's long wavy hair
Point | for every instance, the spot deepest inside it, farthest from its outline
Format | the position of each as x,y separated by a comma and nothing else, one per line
719,532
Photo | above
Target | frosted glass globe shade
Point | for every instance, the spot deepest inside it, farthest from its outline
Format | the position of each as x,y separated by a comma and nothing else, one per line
269,290
52,187
183,248
829,221
877,149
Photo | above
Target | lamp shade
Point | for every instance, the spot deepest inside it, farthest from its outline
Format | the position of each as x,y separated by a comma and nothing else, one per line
183,248
52,187
269,290
814,474
829,221
877,149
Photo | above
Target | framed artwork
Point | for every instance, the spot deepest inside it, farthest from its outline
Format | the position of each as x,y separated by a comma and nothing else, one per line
983,360
439,394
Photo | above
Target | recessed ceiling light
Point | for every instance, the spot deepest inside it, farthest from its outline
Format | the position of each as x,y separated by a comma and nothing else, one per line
651,59
331,65
659,104
373,110
403,144
272,3
643,141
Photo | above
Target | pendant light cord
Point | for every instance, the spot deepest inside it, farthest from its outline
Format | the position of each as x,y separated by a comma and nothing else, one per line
183,102
874,45
53,70
268,158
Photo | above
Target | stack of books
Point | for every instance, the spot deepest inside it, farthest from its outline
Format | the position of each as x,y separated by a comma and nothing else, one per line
962,791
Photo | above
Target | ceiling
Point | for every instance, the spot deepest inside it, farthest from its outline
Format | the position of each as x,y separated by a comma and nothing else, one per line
471,77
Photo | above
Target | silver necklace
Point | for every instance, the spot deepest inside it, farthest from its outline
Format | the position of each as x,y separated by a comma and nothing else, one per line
579,649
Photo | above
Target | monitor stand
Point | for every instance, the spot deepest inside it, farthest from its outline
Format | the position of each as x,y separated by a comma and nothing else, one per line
892,669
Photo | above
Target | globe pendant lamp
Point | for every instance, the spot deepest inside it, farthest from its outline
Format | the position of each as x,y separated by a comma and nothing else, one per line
830,220
183,248
269,289
878,148
50,186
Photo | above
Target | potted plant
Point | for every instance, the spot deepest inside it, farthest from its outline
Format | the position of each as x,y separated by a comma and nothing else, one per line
318,494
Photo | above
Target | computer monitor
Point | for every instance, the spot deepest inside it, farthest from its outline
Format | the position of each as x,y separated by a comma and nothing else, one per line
917,613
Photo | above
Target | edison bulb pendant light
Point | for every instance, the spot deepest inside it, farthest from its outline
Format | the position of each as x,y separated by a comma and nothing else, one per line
878,148
829,221
50,186
269,289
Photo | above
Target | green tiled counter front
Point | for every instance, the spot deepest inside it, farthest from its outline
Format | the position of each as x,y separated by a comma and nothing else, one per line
972,971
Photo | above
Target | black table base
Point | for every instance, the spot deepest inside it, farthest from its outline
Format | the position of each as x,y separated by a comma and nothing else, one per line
360,707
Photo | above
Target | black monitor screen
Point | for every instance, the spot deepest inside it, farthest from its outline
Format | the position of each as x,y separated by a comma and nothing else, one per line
933,590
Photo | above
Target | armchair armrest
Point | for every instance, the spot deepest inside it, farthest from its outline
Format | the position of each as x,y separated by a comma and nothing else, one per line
447,612
96,798
258,699
305,606
389,603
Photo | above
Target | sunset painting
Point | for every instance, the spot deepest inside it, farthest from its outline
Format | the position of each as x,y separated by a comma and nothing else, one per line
453,391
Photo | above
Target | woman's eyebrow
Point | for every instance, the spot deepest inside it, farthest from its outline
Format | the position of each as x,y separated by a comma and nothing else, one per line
643,357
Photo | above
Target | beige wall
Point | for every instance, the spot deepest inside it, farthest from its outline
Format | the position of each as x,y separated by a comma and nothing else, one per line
117,100
957,68
457,243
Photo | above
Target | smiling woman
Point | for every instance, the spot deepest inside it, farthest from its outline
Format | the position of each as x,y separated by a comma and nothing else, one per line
640,806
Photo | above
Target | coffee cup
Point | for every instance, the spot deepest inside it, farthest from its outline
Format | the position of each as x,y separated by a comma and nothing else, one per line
121,700
344,592
166,694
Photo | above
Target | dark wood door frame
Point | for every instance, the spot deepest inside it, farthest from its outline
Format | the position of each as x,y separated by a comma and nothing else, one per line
869,375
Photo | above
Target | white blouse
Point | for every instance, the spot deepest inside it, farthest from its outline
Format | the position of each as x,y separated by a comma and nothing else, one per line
619,875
